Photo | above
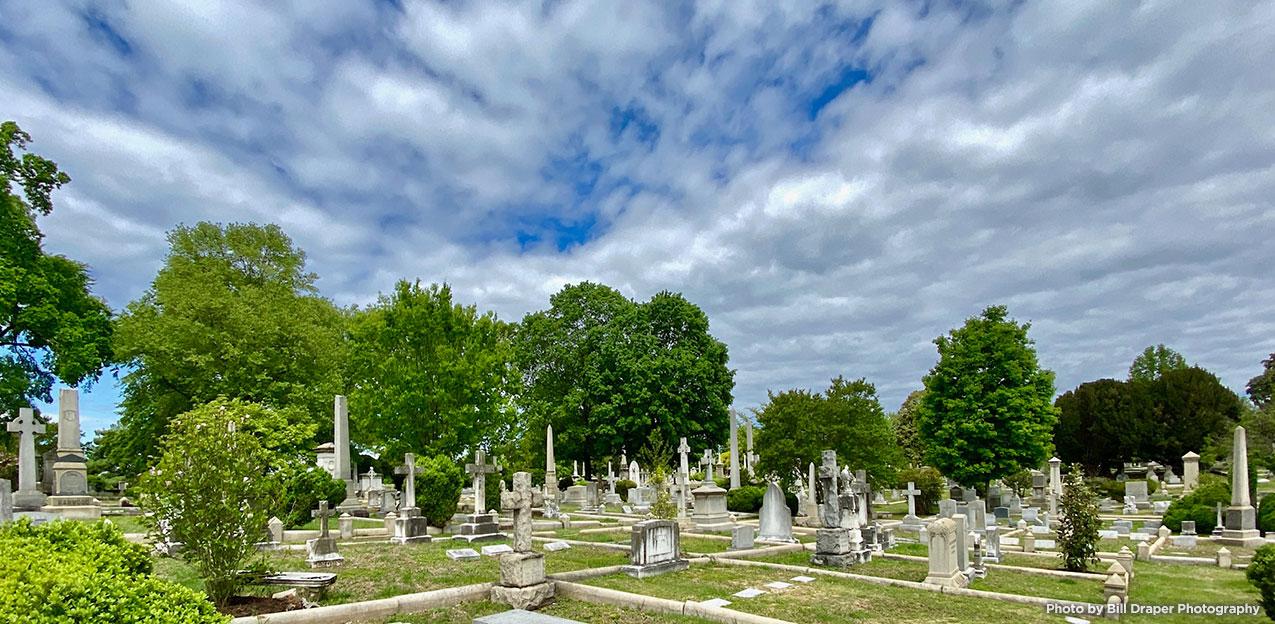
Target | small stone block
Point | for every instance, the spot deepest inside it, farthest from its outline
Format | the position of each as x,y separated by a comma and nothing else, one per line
748,593
497,549
520,616
462,554
802,579
715,602
778,585
557,546
1046,544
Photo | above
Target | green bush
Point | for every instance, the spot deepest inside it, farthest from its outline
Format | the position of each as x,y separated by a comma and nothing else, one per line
745,498
1078,526
623,486
1266,513
1200,506
438,484
1261,573
1108,487
929,482
722,482
790,499
304,485
564,483
79,572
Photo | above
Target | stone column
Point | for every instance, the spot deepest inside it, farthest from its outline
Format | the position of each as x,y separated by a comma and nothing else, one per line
1190,471
734,451
1055,475
341,454
1241,518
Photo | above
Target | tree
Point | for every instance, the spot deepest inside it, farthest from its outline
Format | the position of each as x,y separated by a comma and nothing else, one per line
1191,411
1262,387
52,327
905,433
797,426
428,375
1102,424
606,371
1154,362
438,489
988,407
231,313
1078,523
212,490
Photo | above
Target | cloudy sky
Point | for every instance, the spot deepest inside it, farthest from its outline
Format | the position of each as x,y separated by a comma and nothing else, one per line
835,184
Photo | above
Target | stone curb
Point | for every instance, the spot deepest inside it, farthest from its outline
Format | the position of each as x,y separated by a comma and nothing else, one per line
372,609
755,552
1088,576
587,573
589,593
623,547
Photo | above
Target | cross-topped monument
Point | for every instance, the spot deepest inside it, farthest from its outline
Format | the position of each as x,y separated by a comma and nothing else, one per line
520,501
26,428
409,526
522,572
480,469
828,479
409,470
321,551
911,520
322,514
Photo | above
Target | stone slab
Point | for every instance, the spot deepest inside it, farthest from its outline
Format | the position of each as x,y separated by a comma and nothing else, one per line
1108,534
748,593
522,616
802,579
1046,544
778,585
497,549
557,546
715,602
462,554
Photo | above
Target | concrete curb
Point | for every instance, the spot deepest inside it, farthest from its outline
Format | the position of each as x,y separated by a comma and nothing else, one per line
373,609
609,545
1088,576
589,593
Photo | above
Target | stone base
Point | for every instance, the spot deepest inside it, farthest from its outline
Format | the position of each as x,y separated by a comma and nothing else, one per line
522,569
841,560
485,537
717,523
74,507
28,501
837,547
330,560
955,580
413,529
531,598
1249,538
656,569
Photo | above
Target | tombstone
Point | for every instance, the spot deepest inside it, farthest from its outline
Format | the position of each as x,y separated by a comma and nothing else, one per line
389,501
635,473
346,524
479,526
962,541
409,526
956,493
811,503
1030,514
28,497
496,550
1188,527
911,521
655,548
734,449
1055,476
557,546
551,477
947,508
1241,518
1001,513
1122,527
591,498
70,468
776,523
1038,486
1190,471
839,541
1159,507
944,569
321,552
341,442
522,572
710,503
611,498
463,554
977,514
683,476
741,537
575,495
1138,490
1219,524
6,501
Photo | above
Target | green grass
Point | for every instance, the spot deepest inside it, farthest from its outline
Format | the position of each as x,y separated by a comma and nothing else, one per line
127,524
570,609
1170,584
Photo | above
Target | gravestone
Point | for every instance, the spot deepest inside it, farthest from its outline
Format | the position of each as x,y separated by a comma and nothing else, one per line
911,521
496,550
776,523
1190,471
521,616
557,546
1038,486
1241,517
70,468
683,476
962,542
839,541
1188,527
522,572
710,502
1031,514
346,525
463,554
1001,513
734,449
341,441
944,569
6,501
551,477
741,537
611,498
947,508
321,552
275,527
409,526
28,497
575,495
1138,490
810,506
479,526
655,548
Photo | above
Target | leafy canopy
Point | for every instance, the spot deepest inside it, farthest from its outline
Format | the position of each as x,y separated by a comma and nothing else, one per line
988,407
1261,388
905,432
231,313
51,328
1154,362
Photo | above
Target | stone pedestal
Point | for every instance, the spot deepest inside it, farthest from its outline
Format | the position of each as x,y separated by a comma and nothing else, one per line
479,527
321,553
1245,533
575,495
655,548
710,509
839,547
410,527
74,507
522,581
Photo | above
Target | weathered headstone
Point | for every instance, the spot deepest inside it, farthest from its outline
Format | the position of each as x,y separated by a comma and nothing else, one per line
275,527
776,521
741,537
522,572
947,508
409,525
6,501
812,497
551,477
839,541
346,525
992,542
1241,518
1055,476
28,497
683,476
1138,490
321,552
962,541
944,568
1190,471
655,548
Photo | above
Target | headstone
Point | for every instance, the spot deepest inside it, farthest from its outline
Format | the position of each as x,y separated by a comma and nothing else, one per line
321,552
341,441
1188,527
734,450
1122,527
1038,486
1130,504
1138,490
1001,513
1055,476
839,541
480,526
1015,504
1160,507
1046,544
6,501
462,554
70,468
776,523
1171,478
495,550
1184,541
409,526
992,540
522,572
1030,514
655,548
1190,471
947,508
911,521
635,473
944,569
741,537
346,524
28,497
812,501
962,542
1241,518
575,495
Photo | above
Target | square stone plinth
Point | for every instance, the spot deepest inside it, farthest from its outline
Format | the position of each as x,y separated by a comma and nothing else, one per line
532,597
522,569
655,569
832,541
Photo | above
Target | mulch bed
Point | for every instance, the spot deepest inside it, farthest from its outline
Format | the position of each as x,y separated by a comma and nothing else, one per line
240,606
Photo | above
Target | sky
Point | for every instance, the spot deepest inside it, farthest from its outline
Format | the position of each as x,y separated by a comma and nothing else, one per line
834,184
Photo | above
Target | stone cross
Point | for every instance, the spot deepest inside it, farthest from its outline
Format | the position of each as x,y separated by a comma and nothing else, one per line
26,428
409,483
863,490
520,501
480,469
707,463
828,478
322,514
611,478
911,493
683,451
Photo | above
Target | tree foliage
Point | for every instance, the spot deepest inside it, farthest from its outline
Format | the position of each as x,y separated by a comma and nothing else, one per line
1101,424
1154,362
797,426
438,488
905,432
1262,387
607,371
428,375
988,407
213,491
52,327
231,313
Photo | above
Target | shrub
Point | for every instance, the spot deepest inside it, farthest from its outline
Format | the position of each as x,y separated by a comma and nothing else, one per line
929,482
74,571
790,499
565,483
1200,506
1107,487
438,484
1261,573
623,486
662,507
722,482
745,498
1079,524
212,488
1266,513
304,485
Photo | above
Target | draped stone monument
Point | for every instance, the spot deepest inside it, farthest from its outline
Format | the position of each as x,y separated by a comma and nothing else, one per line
776,520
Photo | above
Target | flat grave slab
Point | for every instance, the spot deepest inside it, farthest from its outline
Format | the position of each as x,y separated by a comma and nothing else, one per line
557,546
497,549
519,616
715,602
462,554
802,579
778,585
748,593
1046,544
1107,534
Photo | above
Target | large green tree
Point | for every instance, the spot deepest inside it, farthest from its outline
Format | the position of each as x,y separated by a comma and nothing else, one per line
797,426
52,328
430,376
606,371
1192,411
232,313
1102,424
1154,362
1261,388
905,432
988,407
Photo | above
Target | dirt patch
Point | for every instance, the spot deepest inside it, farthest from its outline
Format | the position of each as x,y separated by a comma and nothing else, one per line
240,606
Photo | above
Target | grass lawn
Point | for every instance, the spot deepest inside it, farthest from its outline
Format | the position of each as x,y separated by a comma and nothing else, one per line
381,570
570,609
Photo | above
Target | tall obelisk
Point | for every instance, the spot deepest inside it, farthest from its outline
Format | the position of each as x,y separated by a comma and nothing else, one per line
1241,518
734,451
70,469
341,440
